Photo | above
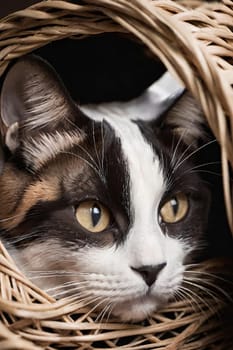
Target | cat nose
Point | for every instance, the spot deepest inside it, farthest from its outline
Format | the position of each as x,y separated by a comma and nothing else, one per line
149,272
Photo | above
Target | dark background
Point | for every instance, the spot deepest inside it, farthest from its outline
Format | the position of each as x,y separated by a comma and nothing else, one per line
14,5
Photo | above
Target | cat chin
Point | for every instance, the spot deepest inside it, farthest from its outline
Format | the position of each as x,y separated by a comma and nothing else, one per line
139,309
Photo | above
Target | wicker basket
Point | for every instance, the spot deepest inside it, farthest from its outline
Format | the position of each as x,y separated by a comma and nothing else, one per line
196,45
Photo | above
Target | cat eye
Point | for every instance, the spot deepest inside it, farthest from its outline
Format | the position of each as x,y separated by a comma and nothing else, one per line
175,209
93,216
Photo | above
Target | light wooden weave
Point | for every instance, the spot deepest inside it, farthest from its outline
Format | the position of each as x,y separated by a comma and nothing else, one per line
196,45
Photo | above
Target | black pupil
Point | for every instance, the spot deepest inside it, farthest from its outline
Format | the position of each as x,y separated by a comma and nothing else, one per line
95,214
175,205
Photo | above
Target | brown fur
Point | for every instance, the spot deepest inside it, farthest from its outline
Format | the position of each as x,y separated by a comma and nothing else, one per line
12,184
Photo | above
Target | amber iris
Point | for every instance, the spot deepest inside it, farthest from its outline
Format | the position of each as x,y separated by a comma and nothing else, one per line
93,216
175,209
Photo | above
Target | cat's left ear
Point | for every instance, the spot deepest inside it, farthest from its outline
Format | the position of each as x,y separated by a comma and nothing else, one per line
33,100
184,119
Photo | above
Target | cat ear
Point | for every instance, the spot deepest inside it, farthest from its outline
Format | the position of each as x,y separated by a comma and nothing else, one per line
185,119
33,97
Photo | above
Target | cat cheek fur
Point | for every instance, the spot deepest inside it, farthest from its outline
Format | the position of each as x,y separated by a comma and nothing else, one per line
105,274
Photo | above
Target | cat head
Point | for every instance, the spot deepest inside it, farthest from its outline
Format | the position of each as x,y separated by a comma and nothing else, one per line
109,211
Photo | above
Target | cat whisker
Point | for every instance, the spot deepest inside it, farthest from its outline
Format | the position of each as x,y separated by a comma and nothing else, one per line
213,276
204,172
73,293
208,293
215,288
56,273
103,312
70,290
194,170
11,217
100,315
93,167
195,298
21,238
81,303
178,181
67,285
184,294
174,152
200,166
88,154
173,162
94,142
39,277
181,137
181,161
111,310
205,164
111,307
103,146
93,308
64,286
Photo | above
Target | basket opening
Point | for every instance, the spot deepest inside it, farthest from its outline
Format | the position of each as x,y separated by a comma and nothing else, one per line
104,67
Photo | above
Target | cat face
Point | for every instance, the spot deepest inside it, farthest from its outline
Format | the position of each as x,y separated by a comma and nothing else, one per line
109,211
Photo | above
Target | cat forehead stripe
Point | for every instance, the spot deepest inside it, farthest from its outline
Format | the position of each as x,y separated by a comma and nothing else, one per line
40,150
146,177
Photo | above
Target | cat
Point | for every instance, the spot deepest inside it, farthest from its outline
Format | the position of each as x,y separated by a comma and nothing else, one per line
111,211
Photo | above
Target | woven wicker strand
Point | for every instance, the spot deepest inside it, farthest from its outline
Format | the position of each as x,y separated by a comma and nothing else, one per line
197,47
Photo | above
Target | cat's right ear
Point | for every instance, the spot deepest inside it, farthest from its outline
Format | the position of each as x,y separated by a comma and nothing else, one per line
33,99
184,119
